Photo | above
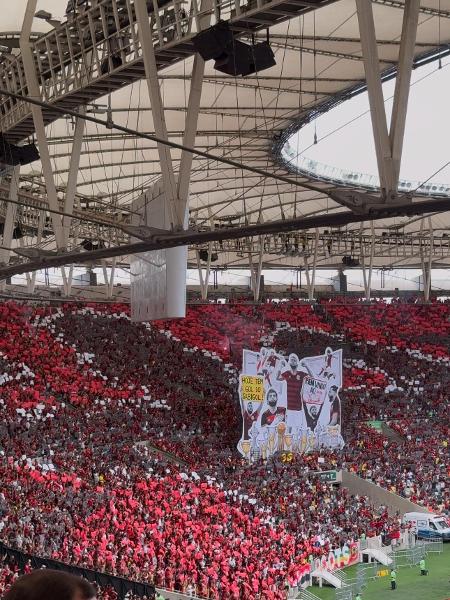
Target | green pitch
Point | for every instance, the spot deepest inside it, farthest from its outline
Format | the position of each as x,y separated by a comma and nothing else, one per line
410,584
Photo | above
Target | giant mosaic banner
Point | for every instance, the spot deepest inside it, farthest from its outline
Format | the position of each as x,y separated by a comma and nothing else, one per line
289,404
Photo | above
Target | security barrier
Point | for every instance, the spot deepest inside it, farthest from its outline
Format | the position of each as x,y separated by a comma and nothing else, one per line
121,586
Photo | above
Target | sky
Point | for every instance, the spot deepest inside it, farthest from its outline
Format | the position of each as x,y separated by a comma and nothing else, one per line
403,279
11,19
345,138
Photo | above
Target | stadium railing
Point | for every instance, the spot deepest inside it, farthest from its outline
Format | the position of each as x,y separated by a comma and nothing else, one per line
346,593
306,595
121,586
171,595
432,545
409,557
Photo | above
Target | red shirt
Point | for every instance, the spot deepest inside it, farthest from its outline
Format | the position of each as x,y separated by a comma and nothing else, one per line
249,420
294,383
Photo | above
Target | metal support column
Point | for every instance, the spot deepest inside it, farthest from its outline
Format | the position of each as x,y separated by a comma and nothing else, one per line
39,125
426,259
11,211
190,130
73,173
192,113
177,215
367,276
204,280
105,276
28,276
311,277
111,278
252,271
257,290
10,218
402,83
375,93
65,281
68,283
256,268
32,282
109,281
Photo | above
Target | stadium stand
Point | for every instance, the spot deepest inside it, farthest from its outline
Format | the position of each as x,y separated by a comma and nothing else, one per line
118,446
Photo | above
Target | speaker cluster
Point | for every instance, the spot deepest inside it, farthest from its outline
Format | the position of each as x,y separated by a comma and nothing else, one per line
232,56
12,155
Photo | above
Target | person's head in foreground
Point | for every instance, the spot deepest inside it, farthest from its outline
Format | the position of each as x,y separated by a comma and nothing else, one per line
50,585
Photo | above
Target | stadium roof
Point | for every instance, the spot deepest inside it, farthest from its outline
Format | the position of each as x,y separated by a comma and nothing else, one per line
319,63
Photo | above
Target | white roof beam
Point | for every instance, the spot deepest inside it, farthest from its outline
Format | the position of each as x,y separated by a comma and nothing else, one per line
193,110
403,82
38,119
388,144
375,93
154,90
74,167
10,217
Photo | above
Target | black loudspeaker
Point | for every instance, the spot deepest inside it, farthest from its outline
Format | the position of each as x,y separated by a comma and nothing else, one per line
17,155
212,42
92,278
342,282
17,233
116,63
88,245
72,5
27,154
262,57
237,60
232,56
242,59
204,256
349,261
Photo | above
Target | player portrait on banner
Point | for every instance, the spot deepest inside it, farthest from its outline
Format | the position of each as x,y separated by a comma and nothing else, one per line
289,404
274,414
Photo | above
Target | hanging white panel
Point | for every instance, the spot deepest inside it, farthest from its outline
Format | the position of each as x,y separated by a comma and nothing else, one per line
158,278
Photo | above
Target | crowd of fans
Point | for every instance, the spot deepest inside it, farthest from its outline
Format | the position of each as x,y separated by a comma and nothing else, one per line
8,574
117,441
405,326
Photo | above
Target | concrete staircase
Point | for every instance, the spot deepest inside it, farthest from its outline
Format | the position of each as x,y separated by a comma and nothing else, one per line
379,556
334,578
